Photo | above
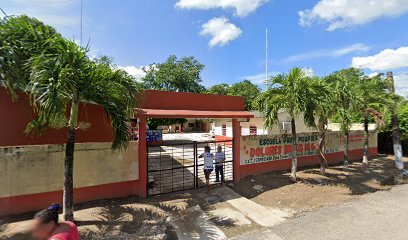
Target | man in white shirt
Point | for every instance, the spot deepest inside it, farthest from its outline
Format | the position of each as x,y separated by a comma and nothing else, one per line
219,164
208,165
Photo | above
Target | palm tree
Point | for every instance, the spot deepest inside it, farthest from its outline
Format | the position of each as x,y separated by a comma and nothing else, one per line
374,102
296,92
21,38
60,81
346,97
325,110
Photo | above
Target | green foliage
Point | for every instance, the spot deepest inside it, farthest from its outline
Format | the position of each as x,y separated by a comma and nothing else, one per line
21,38
385,131
69,77
245,88
179,75
345,92
403,121
355,117
219,89
57,75
375,101
402,113
358,96
154,123
295,92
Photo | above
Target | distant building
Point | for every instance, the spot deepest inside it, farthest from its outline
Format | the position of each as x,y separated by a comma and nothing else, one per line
191,125
221,128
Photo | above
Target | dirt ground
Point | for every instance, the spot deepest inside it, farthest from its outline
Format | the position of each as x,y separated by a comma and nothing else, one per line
154,218
131,218
313,190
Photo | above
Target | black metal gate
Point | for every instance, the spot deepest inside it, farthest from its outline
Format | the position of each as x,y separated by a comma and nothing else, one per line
177,167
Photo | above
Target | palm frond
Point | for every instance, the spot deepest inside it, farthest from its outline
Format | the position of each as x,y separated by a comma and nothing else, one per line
295,92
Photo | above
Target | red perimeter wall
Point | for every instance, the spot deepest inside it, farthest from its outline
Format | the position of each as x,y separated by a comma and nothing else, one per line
332,158
153,99
34,202
14,117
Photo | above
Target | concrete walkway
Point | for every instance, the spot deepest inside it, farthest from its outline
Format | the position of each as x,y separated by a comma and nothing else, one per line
262,215
380,215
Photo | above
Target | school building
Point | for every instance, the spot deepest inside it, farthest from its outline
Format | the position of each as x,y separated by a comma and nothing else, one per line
31,166
222,128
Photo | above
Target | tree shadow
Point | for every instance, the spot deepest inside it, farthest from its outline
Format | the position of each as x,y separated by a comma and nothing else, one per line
379,175
224,222
117,220
144,218
107,219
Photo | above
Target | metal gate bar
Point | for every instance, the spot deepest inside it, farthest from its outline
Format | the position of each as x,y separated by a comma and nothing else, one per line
176,166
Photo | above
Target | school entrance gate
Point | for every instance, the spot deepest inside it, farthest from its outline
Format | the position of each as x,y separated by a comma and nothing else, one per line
176,166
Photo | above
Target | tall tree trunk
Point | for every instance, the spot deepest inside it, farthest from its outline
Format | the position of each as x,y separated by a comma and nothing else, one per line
366,133
396,132
321,145
69,165
396,141
294,151
346,149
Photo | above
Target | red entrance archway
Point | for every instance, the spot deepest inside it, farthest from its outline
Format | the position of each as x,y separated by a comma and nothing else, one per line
163,104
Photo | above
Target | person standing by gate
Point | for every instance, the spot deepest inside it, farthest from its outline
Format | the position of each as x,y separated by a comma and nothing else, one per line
208,165
219,164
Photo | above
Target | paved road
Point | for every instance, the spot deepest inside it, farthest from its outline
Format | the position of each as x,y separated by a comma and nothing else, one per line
381,215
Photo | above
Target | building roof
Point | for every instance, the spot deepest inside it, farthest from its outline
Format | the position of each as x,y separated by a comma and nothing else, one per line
164,104
177,113
154,99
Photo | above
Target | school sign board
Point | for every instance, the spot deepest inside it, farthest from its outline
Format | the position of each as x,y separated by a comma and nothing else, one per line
266,148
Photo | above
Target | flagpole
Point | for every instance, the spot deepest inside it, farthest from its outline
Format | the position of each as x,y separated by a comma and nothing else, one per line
80,34
266,53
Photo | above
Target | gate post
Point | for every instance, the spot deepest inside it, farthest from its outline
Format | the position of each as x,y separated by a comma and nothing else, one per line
195,165
142,158
236,149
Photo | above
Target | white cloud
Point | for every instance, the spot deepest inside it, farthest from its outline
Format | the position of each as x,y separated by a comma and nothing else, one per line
351,49
328,53
346,13
401,83
241,8
309,72
385,60
220,30
136,72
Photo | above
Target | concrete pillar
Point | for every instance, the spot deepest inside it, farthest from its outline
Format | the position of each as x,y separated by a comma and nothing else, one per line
236,149
142,158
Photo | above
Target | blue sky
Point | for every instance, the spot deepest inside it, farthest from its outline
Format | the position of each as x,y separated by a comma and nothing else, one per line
228,36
